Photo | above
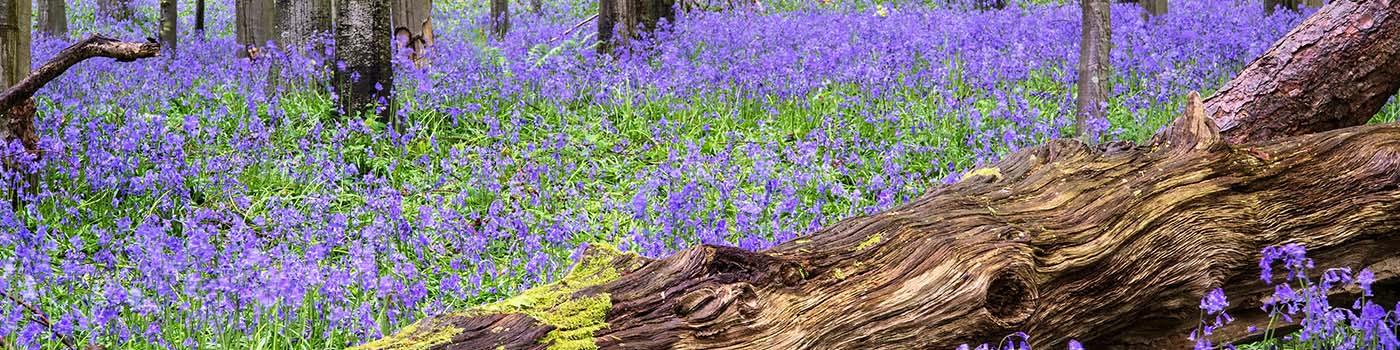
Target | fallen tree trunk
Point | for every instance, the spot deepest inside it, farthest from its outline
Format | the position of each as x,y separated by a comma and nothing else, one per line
1334,70
17,103
1112,247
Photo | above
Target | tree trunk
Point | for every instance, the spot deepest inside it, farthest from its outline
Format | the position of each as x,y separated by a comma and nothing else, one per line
1113,246
53,17
500,18
302,24
199,18
169,23
14,66
1314,3
1092,101
362,43
254,25
623,20
1338,67
1273,5
536,6
1154,7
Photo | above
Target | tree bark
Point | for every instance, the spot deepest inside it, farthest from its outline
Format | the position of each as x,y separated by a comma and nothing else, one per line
254,26
1092,99
53,17
500,18
620,21
303,24
14,66
362,43
1335,69
199,18
169,23
1113,245
1314,3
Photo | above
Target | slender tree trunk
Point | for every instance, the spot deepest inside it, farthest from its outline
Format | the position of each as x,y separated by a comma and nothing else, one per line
254,25
169,23
500,18
53,17
1092,101
303,23
1314,3
536,6
1154,7
199,18
362,42
14,66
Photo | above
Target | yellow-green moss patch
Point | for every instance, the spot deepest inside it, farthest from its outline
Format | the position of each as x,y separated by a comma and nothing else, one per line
869,242
410,338
574,319
993,172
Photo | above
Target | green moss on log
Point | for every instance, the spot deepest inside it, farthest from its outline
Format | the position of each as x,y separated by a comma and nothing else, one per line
574,318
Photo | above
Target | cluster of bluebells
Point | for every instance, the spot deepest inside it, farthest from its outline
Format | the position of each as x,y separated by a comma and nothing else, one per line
1303,299
189,202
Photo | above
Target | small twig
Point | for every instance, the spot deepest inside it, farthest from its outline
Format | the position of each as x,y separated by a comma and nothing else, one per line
92,46
39,317
576,27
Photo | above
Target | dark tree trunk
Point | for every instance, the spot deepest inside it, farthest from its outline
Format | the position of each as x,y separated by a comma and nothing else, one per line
53,17
254,25
1112,245
1154,7
169,23
536,6
303,23
623,20
500,18
1092,101
1313,3
362,43
199,18
1339,66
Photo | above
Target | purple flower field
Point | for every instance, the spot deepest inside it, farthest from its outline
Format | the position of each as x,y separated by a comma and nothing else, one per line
202,201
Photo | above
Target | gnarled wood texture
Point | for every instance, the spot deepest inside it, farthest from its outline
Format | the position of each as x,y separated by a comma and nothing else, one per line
1336,69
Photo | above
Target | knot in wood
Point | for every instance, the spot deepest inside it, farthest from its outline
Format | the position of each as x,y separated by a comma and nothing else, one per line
1010,299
